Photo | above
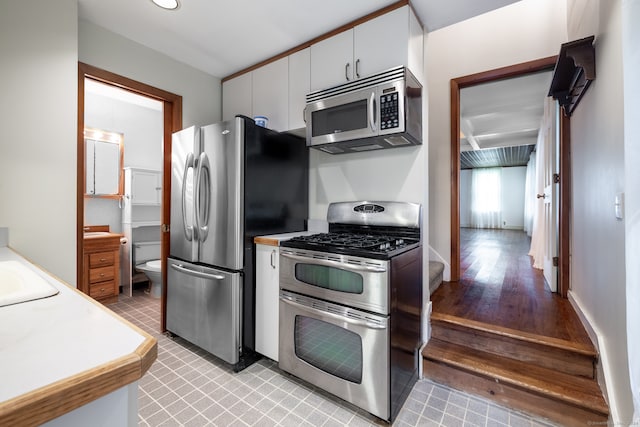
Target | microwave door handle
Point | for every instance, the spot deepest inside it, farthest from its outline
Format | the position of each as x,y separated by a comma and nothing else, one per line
372,111
330,315
188,229
200,274
336,264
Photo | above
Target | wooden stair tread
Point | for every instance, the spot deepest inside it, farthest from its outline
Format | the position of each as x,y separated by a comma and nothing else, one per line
580,392
587,350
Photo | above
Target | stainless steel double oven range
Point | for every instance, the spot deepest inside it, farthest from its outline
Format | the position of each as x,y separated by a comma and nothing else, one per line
350,305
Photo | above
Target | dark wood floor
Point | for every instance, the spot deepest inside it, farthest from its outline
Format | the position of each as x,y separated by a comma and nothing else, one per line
499,286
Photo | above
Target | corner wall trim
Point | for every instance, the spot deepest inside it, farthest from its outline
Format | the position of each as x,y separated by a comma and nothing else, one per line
604,366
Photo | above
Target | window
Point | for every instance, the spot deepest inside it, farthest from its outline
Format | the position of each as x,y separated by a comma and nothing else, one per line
486,198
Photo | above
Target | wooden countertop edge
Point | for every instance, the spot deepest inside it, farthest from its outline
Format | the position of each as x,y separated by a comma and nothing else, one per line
49,402
56,399
265,241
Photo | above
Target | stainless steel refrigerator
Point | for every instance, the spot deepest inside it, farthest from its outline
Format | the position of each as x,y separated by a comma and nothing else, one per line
230,182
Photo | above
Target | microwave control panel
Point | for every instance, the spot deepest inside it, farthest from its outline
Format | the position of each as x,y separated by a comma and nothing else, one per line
389,115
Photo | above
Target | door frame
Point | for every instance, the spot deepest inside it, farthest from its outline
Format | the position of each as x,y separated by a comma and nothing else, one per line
564,207
172,122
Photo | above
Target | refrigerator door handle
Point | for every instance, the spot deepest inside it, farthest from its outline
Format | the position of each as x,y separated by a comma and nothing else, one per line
202,187
188,229
200,274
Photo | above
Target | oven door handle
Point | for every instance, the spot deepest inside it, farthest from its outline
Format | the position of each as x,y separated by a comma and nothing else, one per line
337,264
326,314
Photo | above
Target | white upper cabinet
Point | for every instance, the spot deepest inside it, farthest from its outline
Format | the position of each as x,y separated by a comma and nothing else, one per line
299,86
384,42
278,90
332,61
237,97
381,43
270,88
145,187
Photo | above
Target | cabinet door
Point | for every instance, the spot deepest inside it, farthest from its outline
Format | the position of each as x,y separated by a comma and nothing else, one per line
270,89
236,97
106,168
267,290
146,188
299,86
381,43
332,61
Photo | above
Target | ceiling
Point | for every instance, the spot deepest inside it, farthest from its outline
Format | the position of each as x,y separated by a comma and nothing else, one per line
499,115
496,157
221,37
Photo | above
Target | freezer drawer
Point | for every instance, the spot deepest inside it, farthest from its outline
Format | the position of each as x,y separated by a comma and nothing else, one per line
204,307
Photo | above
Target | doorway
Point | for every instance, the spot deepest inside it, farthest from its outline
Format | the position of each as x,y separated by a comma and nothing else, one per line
564,163
171,122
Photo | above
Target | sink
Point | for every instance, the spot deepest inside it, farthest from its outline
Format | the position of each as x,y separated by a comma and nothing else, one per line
20,284
96,233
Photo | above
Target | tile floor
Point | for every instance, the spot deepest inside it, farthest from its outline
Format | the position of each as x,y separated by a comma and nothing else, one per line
188,387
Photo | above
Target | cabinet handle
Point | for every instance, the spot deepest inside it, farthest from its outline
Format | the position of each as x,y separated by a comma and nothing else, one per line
273,259
357,68
346,71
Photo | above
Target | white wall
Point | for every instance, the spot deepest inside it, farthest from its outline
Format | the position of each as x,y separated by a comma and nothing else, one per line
201,93
39,54
598,174
465,197
520,32
142,128
385,175
631,63
512,198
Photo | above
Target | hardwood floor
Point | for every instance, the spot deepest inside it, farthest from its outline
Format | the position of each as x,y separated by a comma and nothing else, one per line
500,333
499,286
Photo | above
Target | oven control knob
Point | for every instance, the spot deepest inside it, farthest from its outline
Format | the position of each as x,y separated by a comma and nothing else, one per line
399,242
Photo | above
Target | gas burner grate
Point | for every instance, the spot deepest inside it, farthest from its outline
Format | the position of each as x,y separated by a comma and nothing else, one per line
355,241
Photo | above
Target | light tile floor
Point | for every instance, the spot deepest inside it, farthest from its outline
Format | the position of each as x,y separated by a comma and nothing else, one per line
186,386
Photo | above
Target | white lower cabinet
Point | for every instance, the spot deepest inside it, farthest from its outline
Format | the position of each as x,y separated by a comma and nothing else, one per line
267,300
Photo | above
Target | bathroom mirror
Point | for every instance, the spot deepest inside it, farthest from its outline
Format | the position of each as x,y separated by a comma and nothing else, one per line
103,163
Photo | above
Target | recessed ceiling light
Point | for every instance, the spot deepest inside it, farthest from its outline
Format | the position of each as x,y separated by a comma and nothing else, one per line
167,4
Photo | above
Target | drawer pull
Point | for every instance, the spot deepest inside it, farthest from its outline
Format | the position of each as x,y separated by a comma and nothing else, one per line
101,274
103,259
101,289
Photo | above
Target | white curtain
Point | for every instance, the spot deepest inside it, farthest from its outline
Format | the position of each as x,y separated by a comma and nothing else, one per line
486,198
530,194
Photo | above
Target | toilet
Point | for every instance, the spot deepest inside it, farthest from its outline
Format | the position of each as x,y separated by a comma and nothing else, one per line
146,256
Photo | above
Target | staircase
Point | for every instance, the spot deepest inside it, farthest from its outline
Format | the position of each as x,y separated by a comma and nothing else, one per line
542,376
436,270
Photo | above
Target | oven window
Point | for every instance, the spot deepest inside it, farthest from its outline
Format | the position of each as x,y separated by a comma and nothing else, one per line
335,350
330,278
343,118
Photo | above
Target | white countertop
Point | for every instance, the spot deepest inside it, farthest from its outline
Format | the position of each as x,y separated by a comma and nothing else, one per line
51,339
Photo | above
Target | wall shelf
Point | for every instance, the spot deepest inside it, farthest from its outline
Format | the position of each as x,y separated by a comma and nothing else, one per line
574,71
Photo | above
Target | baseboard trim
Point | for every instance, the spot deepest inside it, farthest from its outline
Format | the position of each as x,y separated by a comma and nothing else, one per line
603,366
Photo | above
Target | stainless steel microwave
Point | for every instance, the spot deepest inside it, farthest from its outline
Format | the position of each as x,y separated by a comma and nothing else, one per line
380,111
